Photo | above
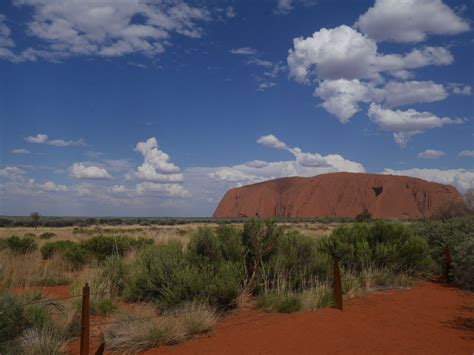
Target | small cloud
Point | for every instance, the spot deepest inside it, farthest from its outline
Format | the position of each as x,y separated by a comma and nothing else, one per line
460,89
82,171
230,12
244,51
21,151
119,189
50,186
271,141
266,85
43,139
11,172
467,153
38,139
431,154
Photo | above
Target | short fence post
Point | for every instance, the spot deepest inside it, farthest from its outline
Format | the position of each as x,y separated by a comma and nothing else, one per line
336,284
447,263
85,321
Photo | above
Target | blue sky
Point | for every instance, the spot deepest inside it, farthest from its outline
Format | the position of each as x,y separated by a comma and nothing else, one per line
156,108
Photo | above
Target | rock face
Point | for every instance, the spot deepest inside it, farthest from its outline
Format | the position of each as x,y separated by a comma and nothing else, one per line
337,195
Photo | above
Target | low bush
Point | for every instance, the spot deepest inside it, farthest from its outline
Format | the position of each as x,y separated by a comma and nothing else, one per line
73,253
103,246
51,248
13,320
47,235
44,340
23,245
380,245
171,277
457,235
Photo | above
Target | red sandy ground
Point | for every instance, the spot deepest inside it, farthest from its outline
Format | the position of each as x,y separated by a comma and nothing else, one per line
427,319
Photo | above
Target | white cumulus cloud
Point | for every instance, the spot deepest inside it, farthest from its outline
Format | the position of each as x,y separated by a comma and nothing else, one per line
461,178
82,171
405,124
157,166
410,20
342,52
107,28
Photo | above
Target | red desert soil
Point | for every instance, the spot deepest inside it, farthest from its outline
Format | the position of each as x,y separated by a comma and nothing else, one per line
427,319
337,195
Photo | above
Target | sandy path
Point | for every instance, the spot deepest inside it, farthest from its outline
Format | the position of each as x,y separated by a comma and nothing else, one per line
423,320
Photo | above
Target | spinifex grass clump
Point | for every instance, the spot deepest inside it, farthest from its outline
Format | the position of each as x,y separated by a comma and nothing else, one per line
35,325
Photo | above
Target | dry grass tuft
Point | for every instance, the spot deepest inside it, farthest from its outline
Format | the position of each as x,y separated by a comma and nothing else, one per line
44,341
128,335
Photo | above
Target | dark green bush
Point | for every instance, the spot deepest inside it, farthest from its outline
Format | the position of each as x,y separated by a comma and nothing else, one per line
23,245
13,319
103,246
458,235
381,245
50,248
295,263
171,276
74,253
364,216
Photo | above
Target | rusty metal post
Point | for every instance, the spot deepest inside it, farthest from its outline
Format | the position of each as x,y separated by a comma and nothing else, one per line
85,321
447,263
336,284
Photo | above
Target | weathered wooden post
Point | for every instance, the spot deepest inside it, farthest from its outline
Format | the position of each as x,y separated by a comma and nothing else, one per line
85,331
447,263
336,284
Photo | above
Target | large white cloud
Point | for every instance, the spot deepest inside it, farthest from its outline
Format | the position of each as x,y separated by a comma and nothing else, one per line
107,28
156,166
461,178
406,124
83,171
410,20
341,97
342,52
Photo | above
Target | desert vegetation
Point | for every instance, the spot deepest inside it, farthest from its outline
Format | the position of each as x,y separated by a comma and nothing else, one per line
150,291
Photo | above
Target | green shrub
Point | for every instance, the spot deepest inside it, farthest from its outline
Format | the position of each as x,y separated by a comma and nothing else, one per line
295,264
172,276
12,318
50,248
19,245
364,216
116,273
381,245
457,234
103,246
73,253
47,235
